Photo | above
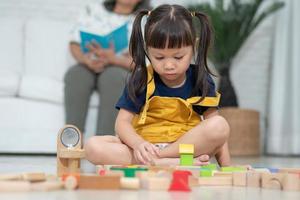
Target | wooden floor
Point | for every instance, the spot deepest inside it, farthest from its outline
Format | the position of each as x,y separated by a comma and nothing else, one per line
15,164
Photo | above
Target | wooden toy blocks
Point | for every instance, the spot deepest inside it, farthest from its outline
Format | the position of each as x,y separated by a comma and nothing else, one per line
180,181
239,179
215,181
186,152
69,150
111,182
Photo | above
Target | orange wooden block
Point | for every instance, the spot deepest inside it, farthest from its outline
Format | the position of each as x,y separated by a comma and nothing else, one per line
111,182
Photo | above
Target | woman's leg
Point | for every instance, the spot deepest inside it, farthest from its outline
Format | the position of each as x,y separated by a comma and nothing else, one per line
108,150
208,137
110,85
79,85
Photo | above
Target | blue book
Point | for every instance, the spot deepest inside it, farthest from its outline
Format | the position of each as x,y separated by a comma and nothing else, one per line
118,37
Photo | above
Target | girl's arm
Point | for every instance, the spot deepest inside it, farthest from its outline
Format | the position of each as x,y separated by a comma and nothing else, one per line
125,130
222,156
142,149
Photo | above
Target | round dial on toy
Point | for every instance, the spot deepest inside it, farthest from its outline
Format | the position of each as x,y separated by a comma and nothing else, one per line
70,137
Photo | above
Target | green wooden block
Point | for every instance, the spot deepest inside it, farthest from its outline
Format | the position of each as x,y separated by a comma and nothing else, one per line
206,173
232,169
186,159
209,166
129,172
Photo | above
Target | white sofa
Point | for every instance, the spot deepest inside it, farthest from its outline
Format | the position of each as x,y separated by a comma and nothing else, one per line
33,59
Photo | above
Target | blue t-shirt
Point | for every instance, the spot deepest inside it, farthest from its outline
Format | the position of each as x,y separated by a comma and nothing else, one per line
163,90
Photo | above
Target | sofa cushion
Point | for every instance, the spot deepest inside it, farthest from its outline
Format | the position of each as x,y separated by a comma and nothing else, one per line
47,58
47,89
11,51
46,48
41,88
9,83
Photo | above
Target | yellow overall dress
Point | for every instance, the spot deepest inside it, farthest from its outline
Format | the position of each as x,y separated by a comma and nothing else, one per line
165,119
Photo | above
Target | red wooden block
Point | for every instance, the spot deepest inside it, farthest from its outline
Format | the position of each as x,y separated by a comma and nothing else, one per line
180,181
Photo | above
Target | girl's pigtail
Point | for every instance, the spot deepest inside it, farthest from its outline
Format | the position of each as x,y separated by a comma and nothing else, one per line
201,59
138,78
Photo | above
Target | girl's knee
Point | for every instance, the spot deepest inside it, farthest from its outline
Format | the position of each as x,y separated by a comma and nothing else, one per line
96,145
93,147
219,128
90,146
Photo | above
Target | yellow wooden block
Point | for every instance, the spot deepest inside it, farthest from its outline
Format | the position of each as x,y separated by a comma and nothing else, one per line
186,149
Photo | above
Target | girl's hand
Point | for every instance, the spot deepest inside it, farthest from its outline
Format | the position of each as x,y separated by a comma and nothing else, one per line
145,152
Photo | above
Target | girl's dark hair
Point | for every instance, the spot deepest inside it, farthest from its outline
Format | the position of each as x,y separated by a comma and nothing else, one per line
169,26
143,4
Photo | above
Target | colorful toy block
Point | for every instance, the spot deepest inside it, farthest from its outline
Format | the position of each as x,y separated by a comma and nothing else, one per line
186,152
180,181
206,173
69,150
209,167
128,172
111,182
186,149
233,169
186,159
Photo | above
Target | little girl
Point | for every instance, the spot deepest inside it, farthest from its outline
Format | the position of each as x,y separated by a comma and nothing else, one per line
169,102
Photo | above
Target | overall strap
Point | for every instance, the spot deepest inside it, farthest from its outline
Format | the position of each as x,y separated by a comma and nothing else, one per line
207,101
149,92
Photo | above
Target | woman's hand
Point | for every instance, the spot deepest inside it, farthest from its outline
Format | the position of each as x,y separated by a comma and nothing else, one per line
144,152
93,63
108,56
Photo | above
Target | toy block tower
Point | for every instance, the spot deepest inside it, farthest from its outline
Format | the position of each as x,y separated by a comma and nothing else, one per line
69,150
186,152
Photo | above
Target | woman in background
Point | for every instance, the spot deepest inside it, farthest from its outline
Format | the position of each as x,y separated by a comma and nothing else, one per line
100,69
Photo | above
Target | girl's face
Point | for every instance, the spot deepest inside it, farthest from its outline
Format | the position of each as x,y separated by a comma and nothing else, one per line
171,64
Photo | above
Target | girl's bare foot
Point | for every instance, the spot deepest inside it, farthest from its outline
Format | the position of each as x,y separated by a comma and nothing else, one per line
198,161
201,160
